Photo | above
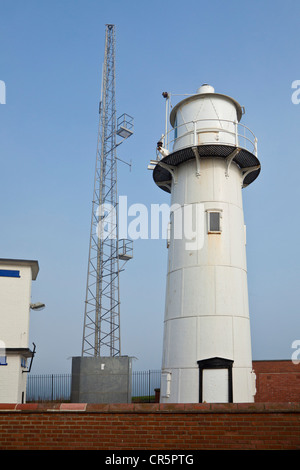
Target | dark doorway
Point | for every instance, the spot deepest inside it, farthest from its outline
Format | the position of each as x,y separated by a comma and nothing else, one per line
215,380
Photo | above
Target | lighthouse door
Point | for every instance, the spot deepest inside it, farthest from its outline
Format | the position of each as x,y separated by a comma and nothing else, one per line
215,380
215,386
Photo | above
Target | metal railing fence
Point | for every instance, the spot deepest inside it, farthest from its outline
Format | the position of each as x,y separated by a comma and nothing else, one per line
51,387
145,382
57,387
192,131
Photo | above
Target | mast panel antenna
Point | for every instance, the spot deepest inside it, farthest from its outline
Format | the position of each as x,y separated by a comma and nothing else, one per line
101,330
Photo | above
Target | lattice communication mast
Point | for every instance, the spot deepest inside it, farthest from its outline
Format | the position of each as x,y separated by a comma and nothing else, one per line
101,331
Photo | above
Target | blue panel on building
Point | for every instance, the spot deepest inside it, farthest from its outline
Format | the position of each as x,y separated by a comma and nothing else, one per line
9,273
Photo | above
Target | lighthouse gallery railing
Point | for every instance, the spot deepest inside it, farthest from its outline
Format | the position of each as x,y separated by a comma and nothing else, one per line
241,134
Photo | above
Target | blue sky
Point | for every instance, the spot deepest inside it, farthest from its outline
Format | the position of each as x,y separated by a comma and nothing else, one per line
51,59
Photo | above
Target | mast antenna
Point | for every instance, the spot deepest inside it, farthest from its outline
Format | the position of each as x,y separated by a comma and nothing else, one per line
107,254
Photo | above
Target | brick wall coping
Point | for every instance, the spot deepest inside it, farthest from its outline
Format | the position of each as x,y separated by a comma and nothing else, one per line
152,408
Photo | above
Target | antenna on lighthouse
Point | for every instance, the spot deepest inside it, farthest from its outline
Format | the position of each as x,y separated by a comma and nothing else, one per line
107,253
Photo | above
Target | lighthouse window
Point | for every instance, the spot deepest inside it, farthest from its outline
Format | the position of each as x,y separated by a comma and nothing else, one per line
214,222
175,128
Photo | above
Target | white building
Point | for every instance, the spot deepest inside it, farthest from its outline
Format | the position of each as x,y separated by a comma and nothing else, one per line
204,164
15,300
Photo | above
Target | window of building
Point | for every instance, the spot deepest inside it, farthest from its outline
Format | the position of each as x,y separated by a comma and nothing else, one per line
3,361
9,273
214,221
23,362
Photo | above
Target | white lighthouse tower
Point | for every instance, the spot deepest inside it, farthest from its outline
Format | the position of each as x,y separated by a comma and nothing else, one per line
204,162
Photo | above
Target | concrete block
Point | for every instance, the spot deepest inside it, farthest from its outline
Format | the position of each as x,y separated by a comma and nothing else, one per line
101,379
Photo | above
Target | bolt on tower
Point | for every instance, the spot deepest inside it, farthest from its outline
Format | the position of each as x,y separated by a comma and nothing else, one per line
101,331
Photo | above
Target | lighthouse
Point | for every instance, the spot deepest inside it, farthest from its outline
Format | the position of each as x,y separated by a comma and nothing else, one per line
204,162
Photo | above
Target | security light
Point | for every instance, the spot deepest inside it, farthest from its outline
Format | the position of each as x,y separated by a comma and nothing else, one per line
37,306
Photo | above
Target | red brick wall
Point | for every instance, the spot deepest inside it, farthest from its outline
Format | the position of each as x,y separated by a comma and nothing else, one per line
150,426
277,381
